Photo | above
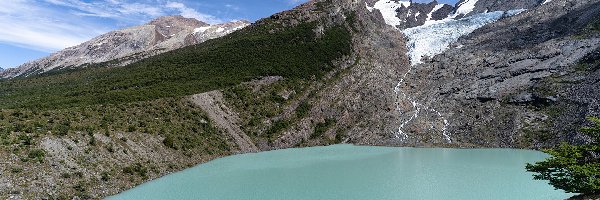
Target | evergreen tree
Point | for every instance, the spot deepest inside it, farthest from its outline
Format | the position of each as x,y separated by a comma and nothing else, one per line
575,169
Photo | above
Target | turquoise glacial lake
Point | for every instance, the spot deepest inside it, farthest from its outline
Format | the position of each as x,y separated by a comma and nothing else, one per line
350,172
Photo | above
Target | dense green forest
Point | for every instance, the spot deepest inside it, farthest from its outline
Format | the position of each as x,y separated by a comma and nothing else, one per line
265,49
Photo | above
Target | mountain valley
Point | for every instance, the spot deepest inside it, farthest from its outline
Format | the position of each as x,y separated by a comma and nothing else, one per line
136,104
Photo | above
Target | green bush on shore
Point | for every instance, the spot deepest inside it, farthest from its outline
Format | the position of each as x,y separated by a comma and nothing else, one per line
572,168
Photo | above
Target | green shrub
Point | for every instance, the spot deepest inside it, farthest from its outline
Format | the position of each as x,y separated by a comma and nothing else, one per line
322,127
65,175
16,170
278,127
136,168
575,169
132,128
25,139
37,154
303,110
104,176
169,142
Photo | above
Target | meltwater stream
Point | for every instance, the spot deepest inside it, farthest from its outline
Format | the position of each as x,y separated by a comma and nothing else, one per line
356,172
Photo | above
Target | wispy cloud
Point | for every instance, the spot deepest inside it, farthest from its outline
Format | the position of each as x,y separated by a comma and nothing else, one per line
191,13
113,9
294,2
51,25
24,24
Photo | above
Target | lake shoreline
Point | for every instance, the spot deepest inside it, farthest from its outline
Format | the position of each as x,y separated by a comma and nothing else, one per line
274,152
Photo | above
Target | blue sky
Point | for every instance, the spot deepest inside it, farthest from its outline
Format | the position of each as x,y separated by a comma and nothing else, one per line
31,29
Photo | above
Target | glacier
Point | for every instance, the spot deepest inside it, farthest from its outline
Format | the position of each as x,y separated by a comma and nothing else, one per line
430,39
434,38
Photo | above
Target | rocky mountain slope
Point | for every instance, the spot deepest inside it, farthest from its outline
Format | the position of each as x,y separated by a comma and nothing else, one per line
527,80
460,110
129,45
483,6
407,14
326,72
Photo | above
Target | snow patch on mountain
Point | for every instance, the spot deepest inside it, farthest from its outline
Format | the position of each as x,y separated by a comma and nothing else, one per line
430,15
388,10
514,12
201,29
466,7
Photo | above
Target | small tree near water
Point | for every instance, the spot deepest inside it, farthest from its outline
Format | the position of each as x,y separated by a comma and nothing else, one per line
575,169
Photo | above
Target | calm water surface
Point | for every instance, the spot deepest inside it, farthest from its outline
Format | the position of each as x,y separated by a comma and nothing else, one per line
354,172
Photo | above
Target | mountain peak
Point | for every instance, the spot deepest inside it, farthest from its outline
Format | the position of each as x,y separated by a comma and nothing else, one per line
177,20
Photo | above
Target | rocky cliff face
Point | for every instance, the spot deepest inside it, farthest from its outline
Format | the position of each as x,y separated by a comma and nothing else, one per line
508,78
520,74
129,45
517,82
482,6
408,14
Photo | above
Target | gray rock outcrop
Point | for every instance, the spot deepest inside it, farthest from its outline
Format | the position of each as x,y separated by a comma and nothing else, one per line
482,6
520,82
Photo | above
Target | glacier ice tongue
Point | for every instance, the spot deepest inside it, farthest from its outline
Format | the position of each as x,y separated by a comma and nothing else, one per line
430,39
435,38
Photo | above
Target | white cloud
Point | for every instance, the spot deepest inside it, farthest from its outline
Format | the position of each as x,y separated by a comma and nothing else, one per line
51,25
114,9
130,10
293,2
138,8
232,7
191,13
23,23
